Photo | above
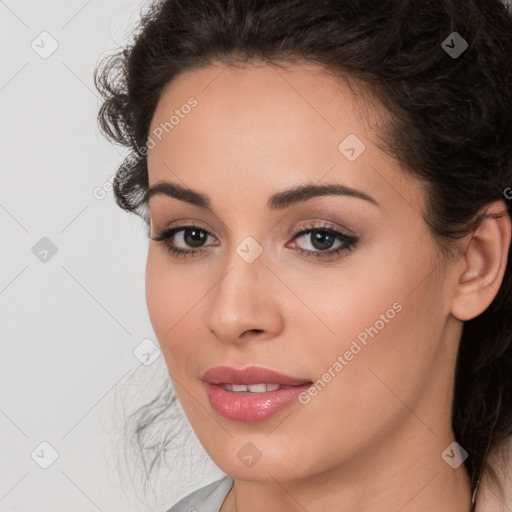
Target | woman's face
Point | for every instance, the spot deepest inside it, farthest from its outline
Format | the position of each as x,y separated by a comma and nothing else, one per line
368,324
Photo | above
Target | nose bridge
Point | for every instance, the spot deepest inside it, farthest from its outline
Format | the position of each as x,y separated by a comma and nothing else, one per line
243,298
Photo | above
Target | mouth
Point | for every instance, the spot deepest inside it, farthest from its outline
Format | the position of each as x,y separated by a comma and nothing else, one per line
251,394
250,376
248,389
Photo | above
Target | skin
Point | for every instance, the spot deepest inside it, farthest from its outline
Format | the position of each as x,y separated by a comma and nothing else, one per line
373,436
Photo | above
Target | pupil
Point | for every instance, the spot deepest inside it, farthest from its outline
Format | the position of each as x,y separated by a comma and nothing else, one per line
322,240
196,238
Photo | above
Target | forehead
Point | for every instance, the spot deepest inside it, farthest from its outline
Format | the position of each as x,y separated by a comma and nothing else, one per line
257,124
265,97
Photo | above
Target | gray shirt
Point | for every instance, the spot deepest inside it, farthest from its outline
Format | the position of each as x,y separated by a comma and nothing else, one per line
205,499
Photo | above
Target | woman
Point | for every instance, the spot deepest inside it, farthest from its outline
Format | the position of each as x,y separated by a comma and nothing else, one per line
326,186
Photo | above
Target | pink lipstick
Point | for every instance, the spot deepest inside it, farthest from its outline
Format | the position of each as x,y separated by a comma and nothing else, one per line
251,394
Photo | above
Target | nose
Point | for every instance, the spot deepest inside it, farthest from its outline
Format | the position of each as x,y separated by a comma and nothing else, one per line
245,303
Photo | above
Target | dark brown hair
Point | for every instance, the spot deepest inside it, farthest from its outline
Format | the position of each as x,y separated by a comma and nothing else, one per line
450,125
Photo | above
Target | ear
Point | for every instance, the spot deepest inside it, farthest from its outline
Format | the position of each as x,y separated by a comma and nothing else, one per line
484,263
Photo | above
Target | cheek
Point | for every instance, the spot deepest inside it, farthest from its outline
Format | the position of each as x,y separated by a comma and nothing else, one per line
172,303
159,296
387,331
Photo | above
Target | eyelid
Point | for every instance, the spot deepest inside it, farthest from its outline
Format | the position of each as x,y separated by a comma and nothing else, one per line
292,232
184,223
321,224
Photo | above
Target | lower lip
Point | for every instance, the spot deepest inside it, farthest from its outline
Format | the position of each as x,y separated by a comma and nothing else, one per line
254,407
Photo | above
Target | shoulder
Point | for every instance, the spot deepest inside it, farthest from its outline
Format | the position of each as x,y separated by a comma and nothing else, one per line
205,499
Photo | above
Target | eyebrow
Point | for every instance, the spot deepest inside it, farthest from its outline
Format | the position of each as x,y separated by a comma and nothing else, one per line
278,201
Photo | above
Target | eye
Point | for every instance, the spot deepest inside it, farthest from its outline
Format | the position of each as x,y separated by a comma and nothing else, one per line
188,236
321,238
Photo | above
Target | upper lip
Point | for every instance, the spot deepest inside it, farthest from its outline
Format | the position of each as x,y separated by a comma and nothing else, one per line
249,375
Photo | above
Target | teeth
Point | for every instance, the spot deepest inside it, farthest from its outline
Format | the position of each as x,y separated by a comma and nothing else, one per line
253,388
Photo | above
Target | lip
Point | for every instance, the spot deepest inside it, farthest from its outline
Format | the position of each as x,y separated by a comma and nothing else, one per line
249,375
247,407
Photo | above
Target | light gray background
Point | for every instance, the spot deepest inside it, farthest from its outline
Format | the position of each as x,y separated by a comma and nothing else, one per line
70,324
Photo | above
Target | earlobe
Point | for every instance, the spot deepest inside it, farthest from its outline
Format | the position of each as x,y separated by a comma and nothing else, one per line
484,264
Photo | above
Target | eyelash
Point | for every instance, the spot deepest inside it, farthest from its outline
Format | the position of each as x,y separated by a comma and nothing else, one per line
348,240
